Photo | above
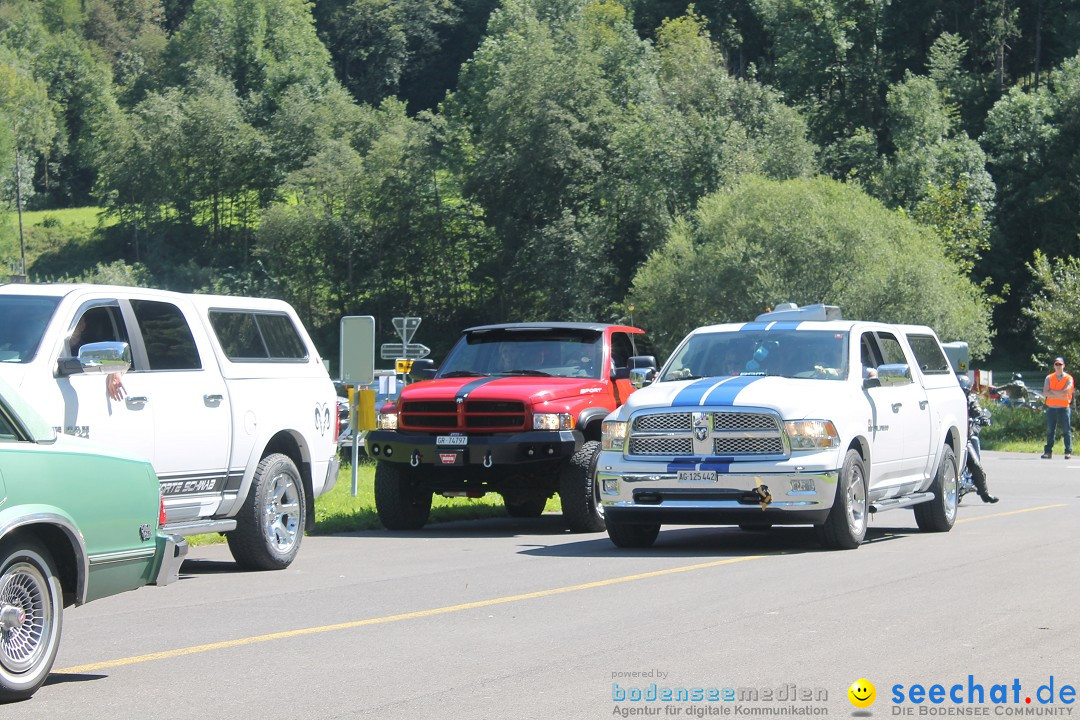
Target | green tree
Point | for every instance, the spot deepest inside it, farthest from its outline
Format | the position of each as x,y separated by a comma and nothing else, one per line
805,241
1054,306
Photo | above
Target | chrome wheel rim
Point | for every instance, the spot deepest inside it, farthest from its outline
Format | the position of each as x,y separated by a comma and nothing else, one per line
281,514
855,502
25,617
950,485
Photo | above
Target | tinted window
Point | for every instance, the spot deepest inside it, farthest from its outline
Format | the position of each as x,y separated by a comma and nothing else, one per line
7,431
24,320
621,349
247,336
929,355
100,323
891,350
168,339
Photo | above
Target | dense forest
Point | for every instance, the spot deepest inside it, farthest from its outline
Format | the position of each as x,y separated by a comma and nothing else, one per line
474,161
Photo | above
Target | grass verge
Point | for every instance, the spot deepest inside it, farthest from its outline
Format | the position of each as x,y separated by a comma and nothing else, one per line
338,511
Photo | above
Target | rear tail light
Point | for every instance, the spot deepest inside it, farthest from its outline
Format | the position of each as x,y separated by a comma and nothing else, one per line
161,512
337,427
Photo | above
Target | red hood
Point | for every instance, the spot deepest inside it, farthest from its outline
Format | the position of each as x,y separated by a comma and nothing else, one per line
528,389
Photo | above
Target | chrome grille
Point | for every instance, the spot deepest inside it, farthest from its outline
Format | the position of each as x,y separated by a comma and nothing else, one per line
665,421
747,446
661,446
724,433
743,421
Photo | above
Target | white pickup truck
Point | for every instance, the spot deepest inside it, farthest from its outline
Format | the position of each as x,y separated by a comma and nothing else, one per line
226,396
797,418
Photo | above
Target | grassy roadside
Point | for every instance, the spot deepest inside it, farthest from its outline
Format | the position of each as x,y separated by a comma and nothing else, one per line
338,511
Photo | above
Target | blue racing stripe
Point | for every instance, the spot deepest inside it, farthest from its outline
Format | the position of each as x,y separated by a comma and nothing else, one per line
695,391
725,394
753,326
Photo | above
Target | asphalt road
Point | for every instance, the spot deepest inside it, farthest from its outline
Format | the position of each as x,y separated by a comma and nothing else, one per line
518,619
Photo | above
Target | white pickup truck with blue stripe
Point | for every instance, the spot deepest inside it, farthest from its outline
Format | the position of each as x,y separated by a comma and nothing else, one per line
798,418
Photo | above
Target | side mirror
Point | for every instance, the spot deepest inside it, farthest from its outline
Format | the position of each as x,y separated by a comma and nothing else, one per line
424,369
98,358
891,375
640,377
641,361
620,373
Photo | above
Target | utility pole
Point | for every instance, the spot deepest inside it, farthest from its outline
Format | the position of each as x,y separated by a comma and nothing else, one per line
18,204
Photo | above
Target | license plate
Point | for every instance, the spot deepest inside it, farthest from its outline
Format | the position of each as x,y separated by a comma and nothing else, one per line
802,485
456,440
697,476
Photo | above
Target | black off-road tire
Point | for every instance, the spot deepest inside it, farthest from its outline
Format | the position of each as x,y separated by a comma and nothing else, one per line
845,526
632,535
31,592
270,525
525,507
399,500
939,514
578,491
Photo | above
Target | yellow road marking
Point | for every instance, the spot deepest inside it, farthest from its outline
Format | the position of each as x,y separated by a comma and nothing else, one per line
179,652
239,642
1011,512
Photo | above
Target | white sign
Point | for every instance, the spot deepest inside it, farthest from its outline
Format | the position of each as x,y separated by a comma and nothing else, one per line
406,328
412,351
357,358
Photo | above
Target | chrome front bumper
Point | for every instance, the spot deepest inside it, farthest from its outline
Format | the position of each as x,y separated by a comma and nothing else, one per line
734,498
172,557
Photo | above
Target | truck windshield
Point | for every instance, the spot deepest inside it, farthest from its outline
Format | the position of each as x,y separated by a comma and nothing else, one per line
818,354
25,319
541,352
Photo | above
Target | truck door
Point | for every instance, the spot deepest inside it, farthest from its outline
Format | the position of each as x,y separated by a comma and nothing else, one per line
910,411
884,426
183,385
128,423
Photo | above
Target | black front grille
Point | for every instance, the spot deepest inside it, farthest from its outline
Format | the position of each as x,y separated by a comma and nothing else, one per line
494,406
430,421
495,421
430,406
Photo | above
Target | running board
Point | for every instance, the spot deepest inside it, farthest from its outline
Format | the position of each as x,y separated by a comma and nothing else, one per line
900,502
198,527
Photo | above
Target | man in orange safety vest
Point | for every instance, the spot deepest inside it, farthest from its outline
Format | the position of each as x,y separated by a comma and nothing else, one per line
1058,390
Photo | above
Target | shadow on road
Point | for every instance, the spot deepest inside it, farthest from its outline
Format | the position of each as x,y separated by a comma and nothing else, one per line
708,542
58,678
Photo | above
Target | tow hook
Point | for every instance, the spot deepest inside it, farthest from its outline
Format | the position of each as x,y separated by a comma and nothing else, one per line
415,459
487,459
762,492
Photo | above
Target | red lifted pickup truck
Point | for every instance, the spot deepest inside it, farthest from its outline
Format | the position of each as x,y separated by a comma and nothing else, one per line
515,409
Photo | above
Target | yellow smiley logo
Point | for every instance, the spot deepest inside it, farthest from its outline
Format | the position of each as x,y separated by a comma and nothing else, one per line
862,693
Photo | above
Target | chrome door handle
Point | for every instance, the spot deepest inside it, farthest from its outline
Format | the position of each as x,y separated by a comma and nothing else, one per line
896,407
922,404
213,398
138,399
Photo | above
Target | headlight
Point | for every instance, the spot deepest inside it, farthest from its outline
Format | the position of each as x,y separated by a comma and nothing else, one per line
811,434
613,435
553,421
387,421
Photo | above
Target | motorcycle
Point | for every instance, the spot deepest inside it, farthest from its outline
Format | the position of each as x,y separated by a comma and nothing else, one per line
972,475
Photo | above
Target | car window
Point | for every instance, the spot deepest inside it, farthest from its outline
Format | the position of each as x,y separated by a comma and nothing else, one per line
7,431
891,350
247,336
97,323
168,339
621,349
25,320
928,353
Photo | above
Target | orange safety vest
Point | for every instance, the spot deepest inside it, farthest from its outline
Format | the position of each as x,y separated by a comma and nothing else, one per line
1053,383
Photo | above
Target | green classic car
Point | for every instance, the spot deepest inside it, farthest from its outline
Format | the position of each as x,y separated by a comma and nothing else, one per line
77,523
